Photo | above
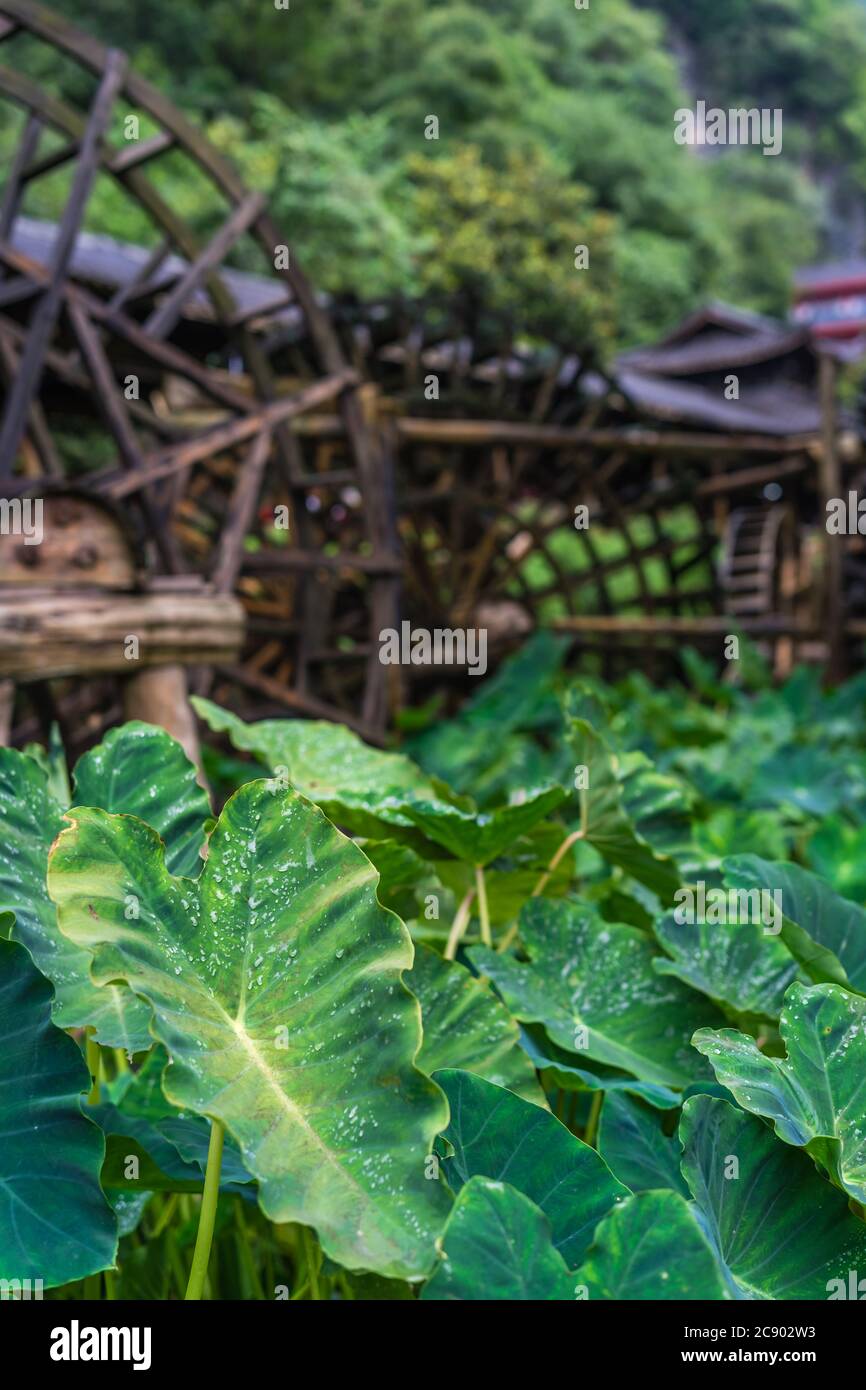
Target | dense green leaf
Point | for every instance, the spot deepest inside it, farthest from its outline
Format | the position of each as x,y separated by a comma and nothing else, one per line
29,821
823,931
603,819
275,984
140,771
816,1096
477,837
497,1135
55,1224
593,986
779,1229
636,1149
497,1246
563,1070
650,1247
736,963
466,1026
359,786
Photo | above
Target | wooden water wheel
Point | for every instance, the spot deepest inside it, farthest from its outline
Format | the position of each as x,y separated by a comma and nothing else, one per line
218,483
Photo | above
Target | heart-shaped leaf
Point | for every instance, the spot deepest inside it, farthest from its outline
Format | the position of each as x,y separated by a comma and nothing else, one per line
779,1229
55,1224
495,1134
478,837
815,1097
593,986
736,964
603,820
29,821
651,1247
823,931
563,1071
139,770
497,1246
275,984
636,1149
171,1144
466,1026
359,786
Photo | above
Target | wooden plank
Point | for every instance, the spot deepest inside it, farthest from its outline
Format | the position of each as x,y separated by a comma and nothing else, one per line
17,290
45,314
165,316
829,488
182,456
241,511
487,433
139,152
46,634
13,189
111,406
711,625
37,425
284,560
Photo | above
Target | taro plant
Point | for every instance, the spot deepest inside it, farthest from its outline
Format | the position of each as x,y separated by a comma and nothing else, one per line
432,1023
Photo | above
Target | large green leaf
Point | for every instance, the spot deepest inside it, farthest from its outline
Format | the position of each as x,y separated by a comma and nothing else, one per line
140,770
466,1026
816,1097
55,1224
172,1144
29,821
562,1069
822,930
736,964
650,1247
497,1246
780,1230
604,821
359,786
497,1135
275,984
593,986
478,837
636,1149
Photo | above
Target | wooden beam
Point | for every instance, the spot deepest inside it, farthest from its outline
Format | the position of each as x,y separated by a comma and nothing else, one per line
45,633
487,433
139,152
830,487
282,560
165,316
45,314
13,190
241,511
708,626
182,456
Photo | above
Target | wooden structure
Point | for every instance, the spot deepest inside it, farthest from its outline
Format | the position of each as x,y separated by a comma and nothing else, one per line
85,379
340,466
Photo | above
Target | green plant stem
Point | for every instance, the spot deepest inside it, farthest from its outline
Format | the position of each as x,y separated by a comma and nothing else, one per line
245,1257
483,909
592,1123
310,1255
92,1286
207,1214
120,1061
164,1216
458,926
543,882
93,1063
110,1291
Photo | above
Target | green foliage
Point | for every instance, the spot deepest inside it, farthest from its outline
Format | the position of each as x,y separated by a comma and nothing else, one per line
555,129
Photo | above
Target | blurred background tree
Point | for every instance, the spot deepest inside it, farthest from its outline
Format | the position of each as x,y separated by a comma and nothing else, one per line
555,128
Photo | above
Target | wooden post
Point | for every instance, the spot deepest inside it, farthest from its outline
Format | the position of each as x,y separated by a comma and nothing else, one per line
158,695
830,486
